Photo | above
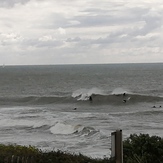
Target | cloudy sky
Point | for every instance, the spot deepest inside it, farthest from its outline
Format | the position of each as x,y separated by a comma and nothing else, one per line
80,31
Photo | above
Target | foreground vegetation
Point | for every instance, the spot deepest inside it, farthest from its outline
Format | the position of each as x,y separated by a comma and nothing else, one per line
143,149
137,149
22,154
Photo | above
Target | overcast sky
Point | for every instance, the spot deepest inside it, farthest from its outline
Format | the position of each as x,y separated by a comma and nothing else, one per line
80,31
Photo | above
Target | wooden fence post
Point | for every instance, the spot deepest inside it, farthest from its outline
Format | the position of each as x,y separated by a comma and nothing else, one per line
117,146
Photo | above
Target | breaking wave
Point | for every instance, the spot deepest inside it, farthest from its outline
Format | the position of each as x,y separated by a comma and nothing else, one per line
66,129
117,96
98,96
119,91
84,94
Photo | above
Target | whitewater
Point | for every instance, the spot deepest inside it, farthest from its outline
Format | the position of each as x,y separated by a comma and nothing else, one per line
49,106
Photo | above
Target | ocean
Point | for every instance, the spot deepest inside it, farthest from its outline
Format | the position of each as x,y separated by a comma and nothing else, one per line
75,108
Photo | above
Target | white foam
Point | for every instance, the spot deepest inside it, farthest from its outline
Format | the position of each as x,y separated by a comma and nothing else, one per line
84,94
118,91
40,124
62,128
12,122
23,122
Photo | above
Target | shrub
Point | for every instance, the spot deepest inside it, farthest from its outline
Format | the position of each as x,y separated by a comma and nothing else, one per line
143,149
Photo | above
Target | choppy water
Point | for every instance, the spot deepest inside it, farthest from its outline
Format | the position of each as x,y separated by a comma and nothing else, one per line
49,106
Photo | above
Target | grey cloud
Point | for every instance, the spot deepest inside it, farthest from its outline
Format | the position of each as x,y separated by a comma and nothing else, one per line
122,37
129,16
11,3
76,39
13,39
55,20
39,43
96,17
9,39
151,23
128,35
99,17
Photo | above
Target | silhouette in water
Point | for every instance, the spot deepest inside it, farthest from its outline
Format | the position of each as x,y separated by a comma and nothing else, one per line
90,98
124,94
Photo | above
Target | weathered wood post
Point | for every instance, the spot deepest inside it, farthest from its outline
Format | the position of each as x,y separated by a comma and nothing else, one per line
117,146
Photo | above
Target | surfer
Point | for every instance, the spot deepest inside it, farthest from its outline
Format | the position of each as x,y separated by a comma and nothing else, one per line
124,101
90,98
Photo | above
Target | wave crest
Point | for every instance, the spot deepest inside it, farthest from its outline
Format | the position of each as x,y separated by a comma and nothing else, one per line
118,91
84,94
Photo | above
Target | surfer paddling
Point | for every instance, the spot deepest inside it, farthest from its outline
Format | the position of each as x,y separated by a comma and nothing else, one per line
155,106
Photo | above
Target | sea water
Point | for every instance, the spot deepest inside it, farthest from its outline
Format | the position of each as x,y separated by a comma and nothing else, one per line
49,106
